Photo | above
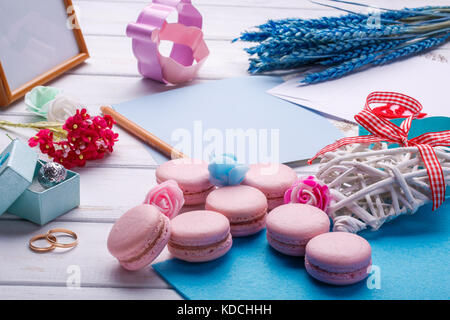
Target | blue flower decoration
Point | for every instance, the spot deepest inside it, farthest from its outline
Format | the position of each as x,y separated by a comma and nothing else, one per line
224,170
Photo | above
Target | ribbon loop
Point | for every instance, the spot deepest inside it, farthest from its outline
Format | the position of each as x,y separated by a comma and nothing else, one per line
402,100
382,129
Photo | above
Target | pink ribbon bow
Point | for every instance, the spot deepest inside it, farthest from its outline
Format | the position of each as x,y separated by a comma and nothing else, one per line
384,130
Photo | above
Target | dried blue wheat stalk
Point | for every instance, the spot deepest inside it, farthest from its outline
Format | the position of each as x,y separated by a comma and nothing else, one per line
347,43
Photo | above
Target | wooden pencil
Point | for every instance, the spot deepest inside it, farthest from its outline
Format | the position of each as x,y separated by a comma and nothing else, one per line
143,134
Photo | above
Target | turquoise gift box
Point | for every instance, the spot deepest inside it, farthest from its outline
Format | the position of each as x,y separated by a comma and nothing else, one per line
22,195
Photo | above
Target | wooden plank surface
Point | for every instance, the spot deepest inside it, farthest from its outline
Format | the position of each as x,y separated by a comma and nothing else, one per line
225,23
21,292
98,268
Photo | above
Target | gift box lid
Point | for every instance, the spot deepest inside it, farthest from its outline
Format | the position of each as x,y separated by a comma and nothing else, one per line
17,165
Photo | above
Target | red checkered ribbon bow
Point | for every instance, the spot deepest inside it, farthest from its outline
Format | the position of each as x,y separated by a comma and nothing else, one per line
384,130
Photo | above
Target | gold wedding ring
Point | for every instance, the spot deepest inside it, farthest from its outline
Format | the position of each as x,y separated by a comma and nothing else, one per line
41,249
53,240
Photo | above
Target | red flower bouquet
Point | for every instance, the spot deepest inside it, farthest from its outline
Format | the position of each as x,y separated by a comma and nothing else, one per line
87,138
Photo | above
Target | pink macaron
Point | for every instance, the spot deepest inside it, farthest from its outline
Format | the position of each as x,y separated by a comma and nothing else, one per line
244,206
291,226
198,236
338,258
273,179
192,177
139,236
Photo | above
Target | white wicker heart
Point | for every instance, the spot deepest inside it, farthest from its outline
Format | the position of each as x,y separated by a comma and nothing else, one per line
371,186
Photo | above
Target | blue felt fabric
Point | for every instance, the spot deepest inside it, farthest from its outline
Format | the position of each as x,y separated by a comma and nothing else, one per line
412,253
230,104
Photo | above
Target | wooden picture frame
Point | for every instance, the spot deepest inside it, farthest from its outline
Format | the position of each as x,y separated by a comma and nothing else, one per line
9,95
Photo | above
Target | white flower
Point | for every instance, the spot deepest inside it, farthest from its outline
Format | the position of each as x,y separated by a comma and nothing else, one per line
62,108
39,99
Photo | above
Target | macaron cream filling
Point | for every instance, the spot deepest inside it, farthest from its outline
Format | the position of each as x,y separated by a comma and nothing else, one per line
339,275
199,247
286,242
249,221
186,192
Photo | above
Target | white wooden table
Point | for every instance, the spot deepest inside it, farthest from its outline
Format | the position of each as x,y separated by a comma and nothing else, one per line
119,182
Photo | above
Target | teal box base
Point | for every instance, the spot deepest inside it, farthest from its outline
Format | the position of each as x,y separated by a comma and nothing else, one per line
418,126
41,205
17,164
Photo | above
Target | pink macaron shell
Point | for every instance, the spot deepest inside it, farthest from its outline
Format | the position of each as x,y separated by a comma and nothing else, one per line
339,252
244,206
297,222
151,252
139,236
199,235
291,226
199,228
344,256
191,175
273,179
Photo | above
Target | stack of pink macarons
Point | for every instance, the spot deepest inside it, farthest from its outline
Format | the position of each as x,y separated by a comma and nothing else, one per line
193,177
205,232
245,205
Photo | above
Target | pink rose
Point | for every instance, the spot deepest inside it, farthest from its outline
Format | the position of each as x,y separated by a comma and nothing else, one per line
309,191
168,197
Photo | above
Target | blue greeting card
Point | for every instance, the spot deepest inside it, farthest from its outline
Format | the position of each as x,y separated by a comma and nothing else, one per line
233,113
410,257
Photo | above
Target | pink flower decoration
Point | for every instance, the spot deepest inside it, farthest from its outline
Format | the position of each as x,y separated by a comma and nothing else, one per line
309,191
168,197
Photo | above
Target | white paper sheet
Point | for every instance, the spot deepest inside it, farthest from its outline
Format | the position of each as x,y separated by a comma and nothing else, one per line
423,78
